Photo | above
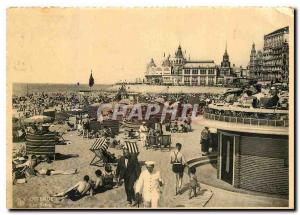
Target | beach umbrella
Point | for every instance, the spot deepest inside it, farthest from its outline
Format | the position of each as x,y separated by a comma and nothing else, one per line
38,119
95,105
59,128
76,111
236,90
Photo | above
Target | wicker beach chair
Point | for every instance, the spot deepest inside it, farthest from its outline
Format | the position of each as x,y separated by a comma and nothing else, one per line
165,142
152,142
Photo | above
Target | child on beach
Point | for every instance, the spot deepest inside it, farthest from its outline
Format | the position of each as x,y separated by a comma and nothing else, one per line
194,184
108,177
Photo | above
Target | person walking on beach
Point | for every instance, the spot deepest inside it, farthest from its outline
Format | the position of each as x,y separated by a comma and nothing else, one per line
143,133
86,127
205,138
128,169
178,164
148,186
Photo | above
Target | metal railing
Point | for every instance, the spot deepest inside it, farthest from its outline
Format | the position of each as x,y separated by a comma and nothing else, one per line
247,120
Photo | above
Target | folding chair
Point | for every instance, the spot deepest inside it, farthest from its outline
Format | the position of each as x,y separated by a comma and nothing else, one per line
97,148
165,141
132,147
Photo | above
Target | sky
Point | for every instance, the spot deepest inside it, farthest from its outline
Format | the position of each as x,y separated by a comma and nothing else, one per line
56,45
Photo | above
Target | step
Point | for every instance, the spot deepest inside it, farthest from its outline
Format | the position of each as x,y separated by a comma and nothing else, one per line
203,162
212,156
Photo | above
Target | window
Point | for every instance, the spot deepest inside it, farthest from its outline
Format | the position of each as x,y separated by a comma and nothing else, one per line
186,71
211,80
187,80
203,72
195,72
211,72
194,80
202,80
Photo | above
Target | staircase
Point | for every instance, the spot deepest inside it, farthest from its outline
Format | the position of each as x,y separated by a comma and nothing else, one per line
196,162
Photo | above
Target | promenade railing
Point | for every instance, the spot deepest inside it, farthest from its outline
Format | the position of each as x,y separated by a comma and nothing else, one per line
247,120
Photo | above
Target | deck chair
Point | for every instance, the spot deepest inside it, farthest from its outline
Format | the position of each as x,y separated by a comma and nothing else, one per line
165,142
132,147
99,146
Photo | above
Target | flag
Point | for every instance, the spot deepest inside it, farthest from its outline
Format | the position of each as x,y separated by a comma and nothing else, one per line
91,81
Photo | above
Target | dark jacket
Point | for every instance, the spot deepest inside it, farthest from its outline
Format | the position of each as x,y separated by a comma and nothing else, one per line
129,173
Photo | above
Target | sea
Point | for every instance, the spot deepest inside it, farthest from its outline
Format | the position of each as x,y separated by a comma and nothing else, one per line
21,89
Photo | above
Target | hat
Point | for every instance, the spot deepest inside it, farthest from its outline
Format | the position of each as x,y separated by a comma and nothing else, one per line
273,88
21,158
144,122
149,163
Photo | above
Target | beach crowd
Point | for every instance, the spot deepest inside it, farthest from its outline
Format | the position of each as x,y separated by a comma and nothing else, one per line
79,112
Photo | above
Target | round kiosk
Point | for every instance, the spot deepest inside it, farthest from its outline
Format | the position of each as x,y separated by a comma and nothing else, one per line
253,147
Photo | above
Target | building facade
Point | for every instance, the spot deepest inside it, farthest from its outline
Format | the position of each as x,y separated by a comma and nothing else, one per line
256,63
178,70
276,55
225,75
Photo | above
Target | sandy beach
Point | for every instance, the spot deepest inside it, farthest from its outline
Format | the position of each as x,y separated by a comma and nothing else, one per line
37,191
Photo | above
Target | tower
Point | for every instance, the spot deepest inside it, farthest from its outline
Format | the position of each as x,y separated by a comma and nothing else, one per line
225,62
179,57
225,70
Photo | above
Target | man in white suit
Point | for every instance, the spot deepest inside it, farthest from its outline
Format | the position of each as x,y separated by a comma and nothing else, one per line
148,185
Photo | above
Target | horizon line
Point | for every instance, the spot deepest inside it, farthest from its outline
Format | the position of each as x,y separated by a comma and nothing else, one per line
61,83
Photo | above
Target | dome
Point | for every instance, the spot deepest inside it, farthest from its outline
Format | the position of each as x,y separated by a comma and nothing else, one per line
259,53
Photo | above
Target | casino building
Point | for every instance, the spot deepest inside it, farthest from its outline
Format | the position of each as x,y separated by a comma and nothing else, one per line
178,70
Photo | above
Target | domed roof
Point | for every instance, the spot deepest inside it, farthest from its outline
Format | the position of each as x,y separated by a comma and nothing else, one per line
259,53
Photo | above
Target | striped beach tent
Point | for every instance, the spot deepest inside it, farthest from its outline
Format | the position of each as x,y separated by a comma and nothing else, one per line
41,144
132,147
99,146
